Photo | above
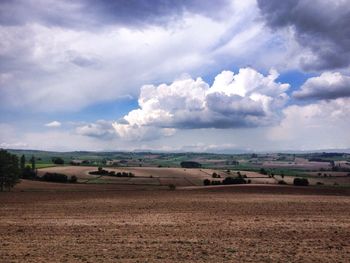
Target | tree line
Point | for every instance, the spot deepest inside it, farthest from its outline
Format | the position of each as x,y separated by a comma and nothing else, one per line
12,169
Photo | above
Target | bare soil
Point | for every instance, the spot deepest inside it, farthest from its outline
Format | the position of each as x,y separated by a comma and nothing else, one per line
47,222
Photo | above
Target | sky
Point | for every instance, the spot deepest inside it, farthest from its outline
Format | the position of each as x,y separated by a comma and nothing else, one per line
186,75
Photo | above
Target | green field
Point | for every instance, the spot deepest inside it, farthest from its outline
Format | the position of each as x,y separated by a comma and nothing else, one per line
236,162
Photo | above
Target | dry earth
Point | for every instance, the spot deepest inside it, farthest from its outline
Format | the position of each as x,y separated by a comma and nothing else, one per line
44,222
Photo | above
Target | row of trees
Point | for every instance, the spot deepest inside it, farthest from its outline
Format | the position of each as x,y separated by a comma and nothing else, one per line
102,171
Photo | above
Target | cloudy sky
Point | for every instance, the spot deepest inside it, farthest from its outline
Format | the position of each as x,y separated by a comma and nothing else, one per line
200,75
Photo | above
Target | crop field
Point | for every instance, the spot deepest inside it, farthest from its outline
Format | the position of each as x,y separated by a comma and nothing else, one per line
52,222
143,175
162,177
166,214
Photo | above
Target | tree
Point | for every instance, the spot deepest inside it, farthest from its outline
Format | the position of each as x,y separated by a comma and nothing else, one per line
190,164
57,160
234,180
32,160
9,170
23,162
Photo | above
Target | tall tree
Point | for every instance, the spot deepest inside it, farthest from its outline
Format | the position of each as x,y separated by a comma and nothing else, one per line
23,162
9,170
32,160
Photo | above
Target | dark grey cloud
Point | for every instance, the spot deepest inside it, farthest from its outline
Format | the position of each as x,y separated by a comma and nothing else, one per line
100,129
91,13
56,13
84,61
321,25
234,105
328,86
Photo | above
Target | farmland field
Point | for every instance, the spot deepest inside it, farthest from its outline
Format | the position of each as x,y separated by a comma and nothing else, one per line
143,175
142,218
160,177
52,222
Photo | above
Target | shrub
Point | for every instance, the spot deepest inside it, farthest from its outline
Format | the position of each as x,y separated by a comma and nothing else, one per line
73,179
55,177
206,182
249,181
234,180
319,183
215,182
282,182
301,182
172,187
214,175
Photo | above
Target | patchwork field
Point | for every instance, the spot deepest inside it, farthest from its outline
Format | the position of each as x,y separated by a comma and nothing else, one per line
162,177
143,175
50,222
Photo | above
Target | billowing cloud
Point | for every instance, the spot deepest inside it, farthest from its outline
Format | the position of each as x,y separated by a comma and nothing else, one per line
321,26
245,99
100,129
53,124
72,68
325,87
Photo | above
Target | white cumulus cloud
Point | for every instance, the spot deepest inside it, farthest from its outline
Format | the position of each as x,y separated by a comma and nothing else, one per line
329,85
245,99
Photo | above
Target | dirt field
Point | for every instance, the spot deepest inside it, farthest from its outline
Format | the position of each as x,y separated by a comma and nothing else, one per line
47,222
